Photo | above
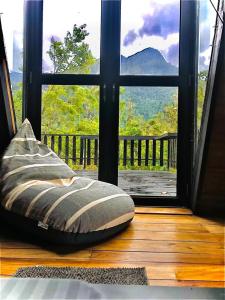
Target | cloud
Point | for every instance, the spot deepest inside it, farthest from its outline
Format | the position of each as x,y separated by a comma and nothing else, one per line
54,38
204,11
164,21
202,63
46,67
172,55
202,59
204,26
204,37
130,37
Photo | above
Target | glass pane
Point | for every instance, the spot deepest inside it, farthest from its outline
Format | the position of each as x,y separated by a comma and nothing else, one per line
71,36
148,140
150,37
70,125
12,23
206,33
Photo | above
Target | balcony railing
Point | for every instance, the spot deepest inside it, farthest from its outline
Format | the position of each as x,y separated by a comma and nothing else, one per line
134,151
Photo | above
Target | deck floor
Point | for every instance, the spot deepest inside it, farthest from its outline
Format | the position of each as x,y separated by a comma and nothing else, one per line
177,249
147,183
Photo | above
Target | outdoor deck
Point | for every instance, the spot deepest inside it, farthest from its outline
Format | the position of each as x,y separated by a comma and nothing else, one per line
138,156
147,183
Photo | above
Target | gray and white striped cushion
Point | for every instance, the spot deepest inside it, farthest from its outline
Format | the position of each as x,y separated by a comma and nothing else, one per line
37,184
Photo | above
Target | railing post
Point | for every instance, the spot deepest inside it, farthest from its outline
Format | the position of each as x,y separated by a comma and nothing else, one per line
132,152
161,152
119,148
52,142
168,155
59,145
81,150
124,152
146,152
45,139
88,151
96,152
153,152
67,150
84,152
175,153
139,152
74,149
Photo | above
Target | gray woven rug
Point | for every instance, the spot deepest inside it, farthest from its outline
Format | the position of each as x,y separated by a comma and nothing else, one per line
124,276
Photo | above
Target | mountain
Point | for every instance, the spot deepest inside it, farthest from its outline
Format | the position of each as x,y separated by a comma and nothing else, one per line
147,62
148,100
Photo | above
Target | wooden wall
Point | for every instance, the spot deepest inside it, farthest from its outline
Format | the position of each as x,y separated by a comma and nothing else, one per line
210,198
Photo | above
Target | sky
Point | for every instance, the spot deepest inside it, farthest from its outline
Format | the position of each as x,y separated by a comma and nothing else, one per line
144,23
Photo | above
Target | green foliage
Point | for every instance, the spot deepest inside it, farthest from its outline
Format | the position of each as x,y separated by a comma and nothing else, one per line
130,123
202,78
73,54
70,109
149,100
17,100
165,121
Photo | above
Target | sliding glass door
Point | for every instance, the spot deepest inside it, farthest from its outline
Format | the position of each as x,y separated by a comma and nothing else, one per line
148,114
115,92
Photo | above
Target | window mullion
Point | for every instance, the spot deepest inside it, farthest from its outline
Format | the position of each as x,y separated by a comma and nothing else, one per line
109,91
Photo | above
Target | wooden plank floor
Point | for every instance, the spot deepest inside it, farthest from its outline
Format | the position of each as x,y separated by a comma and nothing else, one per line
177,249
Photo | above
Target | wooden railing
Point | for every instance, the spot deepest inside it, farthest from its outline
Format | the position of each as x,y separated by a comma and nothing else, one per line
134,151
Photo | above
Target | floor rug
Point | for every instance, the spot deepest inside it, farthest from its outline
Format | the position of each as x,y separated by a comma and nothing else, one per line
125,276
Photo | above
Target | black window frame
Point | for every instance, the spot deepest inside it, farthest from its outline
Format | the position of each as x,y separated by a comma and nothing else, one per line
110,82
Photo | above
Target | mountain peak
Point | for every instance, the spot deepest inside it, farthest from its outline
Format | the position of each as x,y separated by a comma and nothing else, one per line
148,61
149,53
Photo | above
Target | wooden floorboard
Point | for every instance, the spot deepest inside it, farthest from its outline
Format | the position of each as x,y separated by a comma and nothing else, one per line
176,249
187,283
163,210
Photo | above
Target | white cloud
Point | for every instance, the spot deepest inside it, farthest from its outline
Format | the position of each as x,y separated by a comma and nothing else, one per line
12,21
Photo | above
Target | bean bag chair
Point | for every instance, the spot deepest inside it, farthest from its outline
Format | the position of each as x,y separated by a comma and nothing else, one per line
42,195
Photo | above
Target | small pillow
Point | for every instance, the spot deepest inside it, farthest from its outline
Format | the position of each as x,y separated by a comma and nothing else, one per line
42,195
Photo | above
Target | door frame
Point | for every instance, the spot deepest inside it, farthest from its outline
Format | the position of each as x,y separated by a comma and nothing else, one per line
110,82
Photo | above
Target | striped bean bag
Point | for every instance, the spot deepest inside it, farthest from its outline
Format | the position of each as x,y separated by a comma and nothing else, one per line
41,194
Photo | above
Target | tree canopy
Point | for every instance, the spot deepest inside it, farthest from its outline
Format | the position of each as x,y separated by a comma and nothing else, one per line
73,54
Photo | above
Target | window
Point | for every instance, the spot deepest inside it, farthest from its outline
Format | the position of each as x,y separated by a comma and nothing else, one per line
150,37
206,34
148,140
78,16
12,22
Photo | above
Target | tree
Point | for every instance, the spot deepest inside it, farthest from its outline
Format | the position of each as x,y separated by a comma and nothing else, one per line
70,110
202,79
73,54
131,123
17,100
163,122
